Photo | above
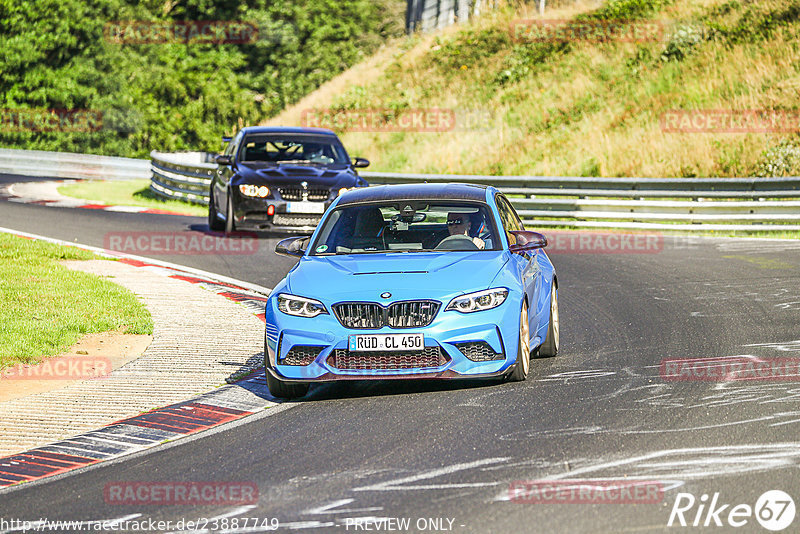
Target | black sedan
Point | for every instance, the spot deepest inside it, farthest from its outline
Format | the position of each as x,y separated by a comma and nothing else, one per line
279,179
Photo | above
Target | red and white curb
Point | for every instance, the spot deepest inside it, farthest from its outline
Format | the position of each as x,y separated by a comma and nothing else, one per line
222,405
46,194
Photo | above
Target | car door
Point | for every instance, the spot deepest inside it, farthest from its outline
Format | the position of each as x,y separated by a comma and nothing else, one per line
526,263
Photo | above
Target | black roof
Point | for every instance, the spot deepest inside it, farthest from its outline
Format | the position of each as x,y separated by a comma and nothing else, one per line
286,129
419,191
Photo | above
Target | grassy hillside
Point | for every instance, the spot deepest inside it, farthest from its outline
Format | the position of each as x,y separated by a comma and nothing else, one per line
583,108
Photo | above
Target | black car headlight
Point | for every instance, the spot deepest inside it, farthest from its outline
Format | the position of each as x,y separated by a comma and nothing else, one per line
250,190
478,301
300,306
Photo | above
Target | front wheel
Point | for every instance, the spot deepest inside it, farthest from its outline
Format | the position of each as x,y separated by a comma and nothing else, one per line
550,346
214,224
230,226
285,390
523,365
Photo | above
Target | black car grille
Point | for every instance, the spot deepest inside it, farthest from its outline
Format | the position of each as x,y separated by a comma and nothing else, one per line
378,360
406,314
301,355
479,351
296,193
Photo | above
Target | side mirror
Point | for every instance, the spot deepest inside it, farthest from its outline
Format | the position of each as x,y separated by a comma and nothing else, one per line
360,163
527,241
292,246
224,159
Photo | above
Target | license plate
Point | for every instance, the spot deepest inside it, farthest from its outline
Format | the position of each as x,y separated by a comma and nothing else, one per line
386,342
305,207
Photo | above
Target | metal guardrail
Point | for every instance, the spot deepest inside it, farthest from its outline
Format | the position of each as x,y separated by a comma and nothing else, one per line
686,204
694,204
183,176
68,165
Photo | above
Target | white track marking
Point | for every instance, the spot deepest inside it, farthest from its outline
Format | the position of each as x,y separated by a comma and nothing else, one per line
234,512
397,484
330,508
720,461
786,346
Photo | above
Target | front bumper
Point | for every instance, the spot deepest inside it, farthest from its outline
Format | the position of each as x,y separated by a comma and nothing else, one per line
324,343
251,214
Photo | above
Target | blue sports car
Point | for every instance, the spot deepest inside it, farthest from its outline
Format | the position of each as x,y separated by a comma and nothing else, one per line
412,281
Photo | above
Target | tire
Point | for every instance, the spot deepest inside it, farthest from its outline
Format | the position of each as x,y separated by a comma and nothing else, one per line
214,224
230,226
277,387
549,348
284,390
523,364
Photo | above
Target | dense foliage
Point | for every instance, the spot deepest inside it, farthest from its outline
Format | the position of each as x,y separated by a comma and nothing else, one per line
63,55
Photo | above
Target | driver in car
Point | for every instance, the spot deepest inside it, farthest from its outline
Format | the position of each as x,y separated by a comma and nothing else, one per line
314,152
460,224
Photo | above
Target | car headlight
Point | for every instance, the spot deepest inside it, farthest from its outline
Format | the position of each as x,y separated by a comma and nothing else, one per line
481,300
250,190
300,306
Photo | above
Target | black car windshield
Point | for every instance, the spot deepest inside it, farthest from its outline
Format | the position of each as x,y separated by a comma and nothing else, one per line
401,226
286,149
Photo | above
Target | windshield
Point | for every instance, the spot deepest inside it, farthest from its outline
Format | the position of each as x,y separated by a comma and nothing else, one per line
284,149
400,226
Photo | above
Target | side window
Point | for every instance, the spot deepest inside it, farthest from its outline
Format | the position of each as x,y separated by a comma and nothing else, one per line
509,219
234,144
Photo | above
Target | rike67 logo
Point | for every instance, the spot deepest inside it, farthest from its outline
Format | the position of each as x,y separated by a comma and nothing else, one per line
774,510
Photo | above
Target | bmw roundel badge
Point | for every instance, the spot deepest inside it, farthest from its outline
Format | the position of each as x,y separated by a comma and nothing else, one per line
386,295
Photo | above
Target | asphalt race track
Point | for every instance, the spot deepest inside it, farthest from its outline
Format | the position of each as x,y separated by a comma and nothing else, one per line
444,454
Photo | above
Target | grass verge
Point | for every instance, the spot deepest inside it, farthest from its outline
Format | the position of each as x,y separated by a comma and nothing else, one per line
45,307
128,193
